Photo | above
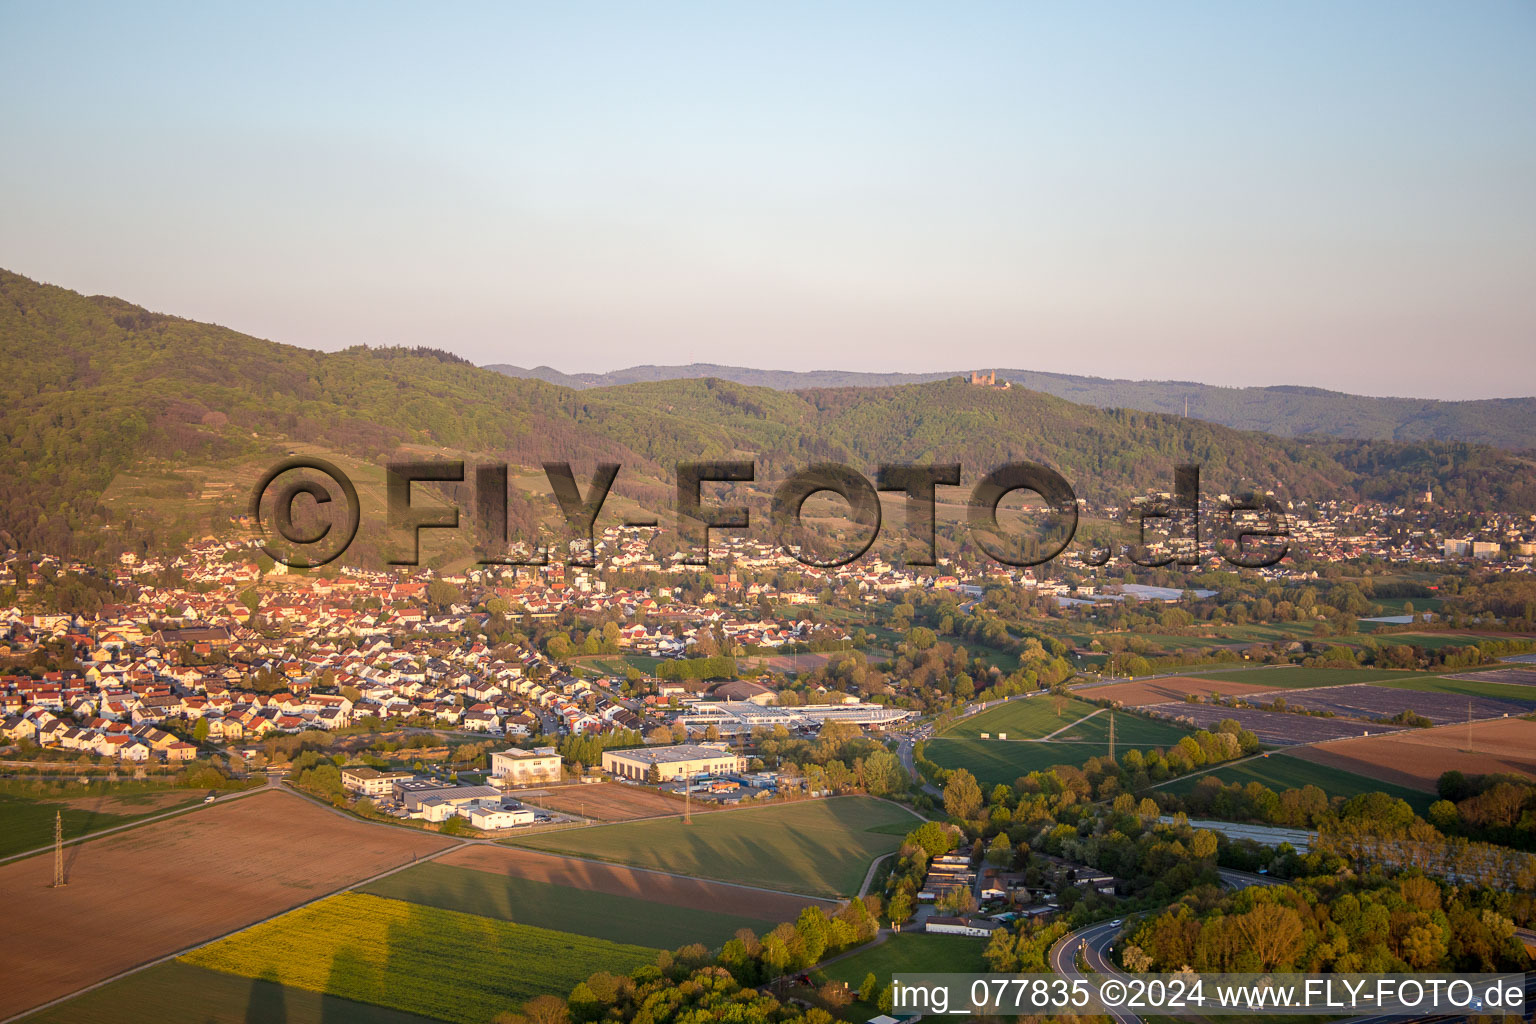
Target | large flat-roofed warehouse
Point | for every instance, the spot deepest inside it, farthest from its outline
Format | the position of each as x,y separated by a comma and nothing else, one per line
672,762
738,716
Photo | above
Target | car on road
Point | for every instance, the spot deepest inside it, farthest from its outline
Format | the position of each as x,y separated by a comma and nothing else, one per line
1117,922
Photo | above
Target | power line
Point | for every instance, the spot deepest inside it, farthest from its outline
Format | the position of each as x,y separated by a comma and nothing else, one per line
58,849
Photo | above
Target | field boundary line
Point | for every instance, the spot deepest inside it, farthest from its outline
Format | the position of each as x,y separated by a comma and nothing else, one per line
589,859
102,833
1069,725
416,859
1212,768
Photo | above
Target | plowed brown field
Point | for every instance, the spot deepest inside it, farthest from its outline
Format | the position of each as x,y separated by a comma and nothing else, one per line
149,892
612,801
1174,688
1416,757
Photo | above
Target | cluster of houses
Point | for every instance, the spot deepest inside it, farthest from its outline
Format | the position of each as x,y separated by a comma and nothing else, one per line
358,643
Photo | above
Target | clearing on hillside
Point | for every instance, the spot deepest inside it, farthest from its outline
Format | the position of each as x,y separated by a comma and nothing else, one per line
817,847
1419,757
151,891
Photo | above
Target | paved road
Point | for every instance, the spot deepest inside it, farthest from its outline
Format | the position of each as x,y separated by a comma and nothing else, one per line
1234,879
1264,835
1095,943
904,751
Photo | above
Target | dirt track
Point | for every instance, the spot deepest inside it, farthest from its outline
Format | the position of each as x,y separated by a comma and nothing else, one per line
1416,758
1174,688
151,891
624,881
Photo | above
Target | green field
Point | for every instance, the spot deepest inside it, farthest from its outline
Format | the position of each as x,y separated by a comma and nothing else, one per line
462,968
1130,731
595,914
911,952
816,847
1027,718
179,993
1466,688
615,664
1003,761
1296,677
1280,772
26,823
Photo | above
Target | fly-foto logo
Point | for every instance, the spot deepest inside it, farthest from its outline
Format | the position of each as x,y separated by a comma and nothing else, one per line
332,513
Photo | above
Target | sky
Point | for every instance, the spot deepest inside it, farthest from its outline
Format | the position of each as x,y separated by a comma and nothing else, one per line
1337,195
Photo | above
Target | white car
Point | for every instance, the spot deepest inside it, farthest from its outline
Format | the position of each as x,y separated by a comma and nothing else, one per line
1117,922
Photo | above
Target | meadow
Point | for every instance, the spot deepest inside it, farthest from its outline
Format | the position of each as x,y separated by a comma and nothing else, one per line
1466,687
1281,772
598,915
1003,761
179,993
1297,677
909,952
419,959
26,822
1023,718
816,847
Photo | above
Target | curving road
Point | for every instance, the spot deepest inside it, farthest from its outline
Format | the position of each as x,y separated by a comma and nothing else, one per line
1094,942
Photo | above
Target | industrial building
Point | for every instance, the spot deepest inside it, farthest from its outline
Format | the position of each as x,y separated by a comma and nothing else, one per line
672,762
737,717
517,767
371,782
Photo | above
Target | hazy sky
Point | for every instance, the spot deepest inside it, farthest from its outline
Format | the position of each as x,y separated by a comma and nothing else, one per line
1336,194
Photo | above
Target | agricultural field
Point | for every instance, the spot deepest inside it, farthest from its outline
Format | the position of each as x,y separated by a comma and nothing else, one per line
1281,771
1131,730
1023,718
1515,676
1175,688
599,915
614,664
1004,761
1434,641
1471,685
415,958
1367,701
1297,677
609,801
1277,728
179,993
26,821
816,847
1417,759
618,880
248,859
908,952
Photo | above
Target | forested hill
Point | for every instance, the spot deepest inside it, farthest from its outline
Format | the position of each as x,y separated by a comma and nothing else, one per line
1285,410
96,387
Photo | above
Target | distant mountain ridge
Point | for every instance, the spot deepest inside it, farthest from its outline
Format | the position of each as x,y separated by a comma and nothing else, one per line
1284,410
102,398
